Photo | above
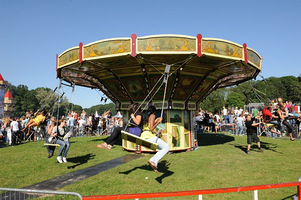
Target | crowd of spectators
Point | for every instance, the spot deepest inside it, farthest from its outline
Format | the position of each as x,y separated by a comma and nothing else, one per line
12,128
227,120
233,119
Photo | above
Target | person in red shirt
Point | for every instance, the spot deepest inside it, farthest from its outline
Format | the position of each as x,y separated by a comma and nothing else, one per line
268,117
75,115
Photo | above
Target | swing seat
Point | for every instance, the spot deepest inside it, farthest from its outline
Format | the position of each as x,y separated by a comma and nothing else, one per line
49,144
269,125
138,140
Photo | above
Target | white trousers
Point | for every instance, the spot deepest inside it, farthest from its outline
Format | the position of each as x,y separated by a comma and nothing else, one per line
163,149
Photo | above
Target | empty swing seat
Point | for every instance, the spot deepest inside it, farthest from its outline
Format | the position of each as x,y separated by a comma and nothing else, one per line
138,140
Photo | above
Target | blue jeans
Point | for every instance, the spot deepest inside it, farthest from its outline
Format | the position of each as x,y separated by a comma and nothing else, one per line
239,129
71,129
64,145
163,149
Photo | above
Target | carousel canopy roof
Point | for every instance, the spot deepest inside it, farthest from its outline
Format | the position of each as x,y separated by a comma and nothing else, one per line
126,69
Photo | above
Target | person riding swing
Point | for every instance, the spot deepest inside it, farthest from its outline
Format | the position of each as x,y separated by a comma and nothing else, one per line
135,127
35,122
150,124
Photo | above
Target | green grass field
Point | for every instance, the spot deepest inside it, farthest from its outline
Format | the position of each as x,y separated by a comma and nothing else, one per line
220,162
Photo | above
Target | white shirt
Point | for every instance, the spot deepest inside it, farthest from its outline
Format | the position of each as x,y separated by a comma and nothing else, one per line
81,122
14,126
217,117
240,121
225,111
240,111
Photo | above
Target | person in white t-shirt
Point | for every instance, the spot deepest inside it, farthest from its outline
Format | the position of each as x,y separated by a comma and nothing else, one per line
236,112
81,126
240,122
14,126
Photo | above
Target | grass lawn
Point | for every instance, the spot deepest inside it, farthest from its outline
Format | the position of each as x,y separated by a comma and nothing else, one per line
220,162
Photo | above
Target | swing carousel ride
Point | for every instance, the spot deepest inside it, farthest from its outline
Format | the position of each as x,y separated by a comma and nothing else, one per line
172,72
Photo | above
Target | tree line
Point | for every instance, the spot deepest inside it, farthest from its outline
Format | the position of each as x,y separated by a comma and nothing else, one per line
287,87
41,98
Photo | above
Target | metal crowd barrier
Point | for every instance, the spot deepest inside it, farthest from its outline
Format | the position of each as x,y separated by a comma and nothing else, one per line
22,194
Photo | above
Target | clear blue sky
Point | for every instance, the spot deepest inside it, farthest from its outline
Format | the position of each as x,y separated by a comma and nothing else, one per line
32,32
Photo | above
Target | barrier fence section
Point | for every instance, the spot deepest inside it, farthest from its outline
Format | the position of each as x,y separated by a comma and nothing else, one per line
13,193
199,192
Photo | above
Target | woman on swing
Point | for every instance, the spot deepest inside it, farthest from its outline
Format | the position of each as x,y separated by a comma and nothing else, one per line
135,127
282,113
40,118
150,123
61,134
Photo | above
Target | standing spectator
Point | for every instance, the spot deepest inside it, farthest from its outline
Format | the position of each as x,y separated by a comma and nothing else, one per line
240,111
225,113
104,126
216,121
109,114
14,126
199,119
291,112
229,109
206,122
7,130
252,133
231,118
83,115
255,112
297,109
99,126
71,123
236,112
81,126
75,115
50,126
95,120
1,130
240,127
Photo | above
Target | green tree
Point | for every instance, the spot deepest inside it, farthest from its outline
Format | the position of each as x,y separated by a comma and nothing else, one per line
46,97
101,108
25,100
235,99
215,101
294,92
75,108
60,108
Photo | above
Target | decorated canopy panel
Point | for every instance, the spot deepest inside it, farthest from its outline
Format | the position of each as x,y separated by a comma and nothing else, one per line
130,69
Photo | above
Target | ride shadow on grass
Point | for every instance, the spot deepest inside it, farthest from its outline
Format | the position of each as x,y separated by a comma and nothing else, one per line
163,167
79,160
213,139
